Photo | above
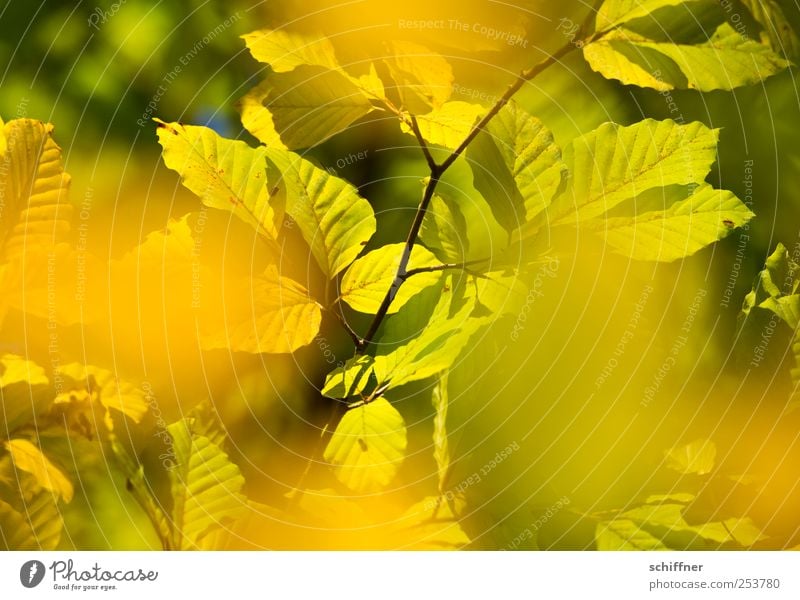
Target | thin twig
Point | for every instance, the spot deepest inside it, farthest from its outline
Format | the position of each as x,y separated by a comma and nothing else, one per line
423,144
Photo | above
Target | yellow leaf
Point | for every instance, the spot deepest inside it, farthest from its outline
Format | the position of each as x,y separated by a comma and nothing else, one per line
36,212
16,369
225,174
696,457
30,459
3,143
424,78
284,50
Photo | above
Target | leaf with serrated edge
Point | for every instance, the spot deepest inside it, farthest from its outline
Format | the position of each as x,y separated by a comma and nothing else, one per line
615,163
726,61
616,12
274,315
684,228
424,78
333,218
27,457
310,104
366,282
516,166
206,487
447,125
284,50
444,230
225,174
368,446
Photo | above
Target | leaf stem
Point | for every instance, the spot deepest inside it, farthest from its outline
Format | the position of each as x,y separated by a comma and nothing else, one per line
438,170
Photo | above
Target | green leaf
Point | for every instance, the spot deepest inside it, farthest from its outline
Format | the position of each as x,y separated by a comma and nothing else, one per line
615,163
776,287
424,78
447,125
726,61
516,166
441,451
284,50
369,278
776,30
350,379
433,348
225,174
27,457
368,446
684,228
273,315
308,105
205,487
696,458
334,220
444,229
616,12
623,534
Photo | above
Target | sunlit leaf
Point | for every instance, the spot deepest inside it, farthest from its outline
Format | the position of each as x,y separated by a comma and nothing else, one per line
684,228
615,12
17,369
225,174
3,142
34,524
368,446
274,315
697,457
257,119
310,104
27,457
516,166
206,487
444,230
614,163
449,124
334,219
350,379
284,50
424,78
369,278
726,61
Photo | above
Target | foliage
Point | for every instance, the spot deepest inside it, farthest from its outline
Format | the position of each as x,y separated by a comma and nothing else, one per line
641,187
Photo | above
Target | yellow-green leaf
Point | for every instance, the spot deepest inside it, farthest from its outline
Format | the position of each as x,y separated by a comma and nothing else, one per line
615,163
273,315
257,119
424,78
27,457
35,525
3,142
333,218
349,379
17,369
225,174
368,446
284,50
441,450
695,458
684,228
449,124
369,278
616,12
444,230
516,166
776,31
430,525
726,61
205,485
310,104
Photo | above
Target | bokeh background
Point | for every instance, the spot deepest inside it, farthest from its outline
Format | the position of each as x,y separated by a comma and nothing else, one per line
581,430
